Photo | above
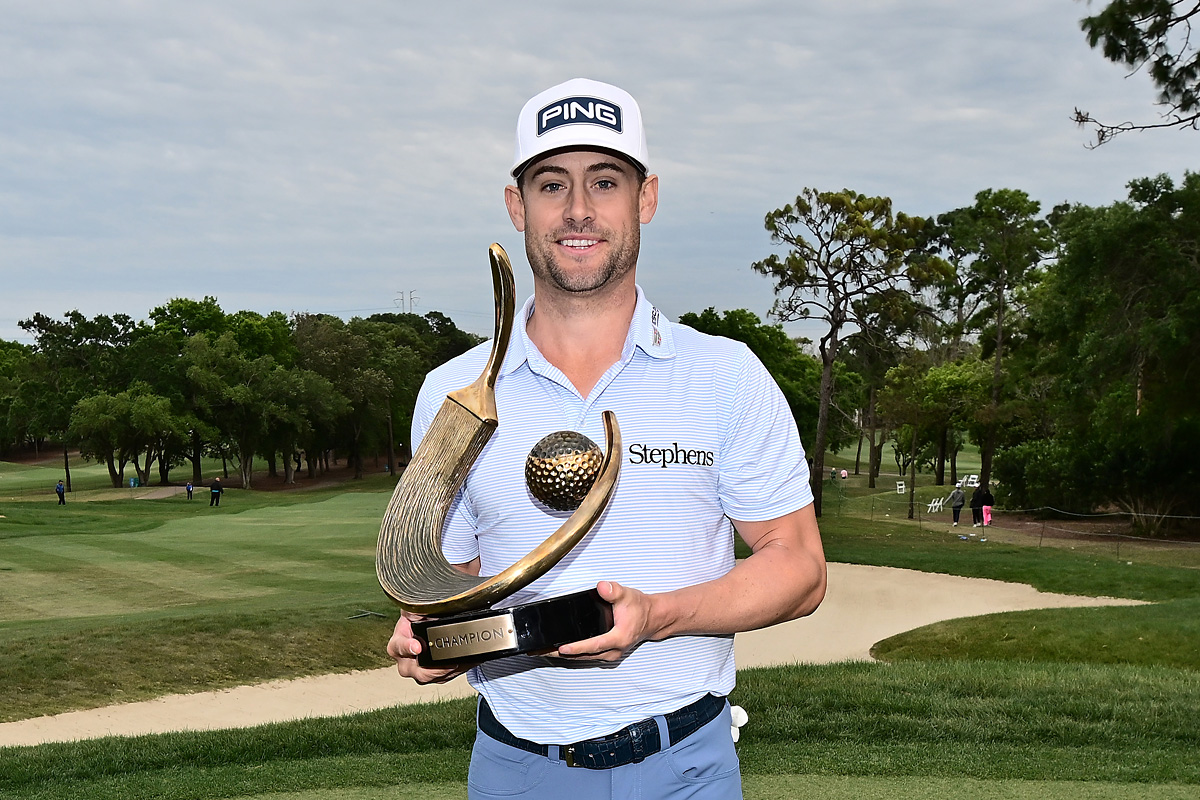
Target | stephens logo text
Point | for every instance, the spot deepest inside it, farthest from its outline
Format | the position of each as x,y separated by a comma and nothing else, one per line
667,456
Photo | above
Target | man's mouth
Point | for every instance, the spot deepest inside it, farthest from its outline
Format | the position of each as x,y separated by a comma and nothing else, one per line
578,243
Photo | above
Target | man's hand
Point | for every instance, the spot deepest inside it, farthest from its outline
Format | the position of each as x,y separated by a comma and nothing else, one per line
631,626
404,648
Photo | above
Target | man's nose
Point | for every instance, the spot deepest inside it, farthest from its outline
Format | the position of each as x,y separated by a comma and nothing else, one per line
579,207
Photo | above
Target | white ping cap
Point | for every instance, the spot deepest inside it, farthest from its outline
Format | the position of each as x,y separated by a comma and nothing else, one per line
580,113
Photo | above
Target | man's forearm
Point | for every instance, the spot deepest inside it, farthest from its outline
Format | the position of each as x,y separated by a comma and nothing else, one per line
784,578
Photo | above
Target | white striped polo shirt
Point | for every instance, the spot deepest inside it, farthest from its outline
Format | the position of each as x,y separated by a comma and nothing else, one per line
707,437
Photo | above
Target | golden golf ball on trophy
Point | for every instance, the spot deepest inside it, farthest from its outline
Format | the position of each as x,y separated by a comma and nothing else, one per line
561,468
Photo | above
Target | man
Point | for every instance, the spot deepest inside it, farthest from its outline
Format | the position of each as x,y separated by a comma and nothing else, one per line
977,507
61,491
708,438
214,493
958,499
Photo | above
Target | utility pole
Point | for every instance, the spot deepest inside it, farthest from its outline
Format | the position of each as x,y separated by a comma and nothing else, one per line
402,300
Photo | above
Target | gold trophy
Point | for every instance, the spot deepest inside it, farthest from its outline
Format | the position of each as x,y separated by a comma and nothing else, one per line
565,470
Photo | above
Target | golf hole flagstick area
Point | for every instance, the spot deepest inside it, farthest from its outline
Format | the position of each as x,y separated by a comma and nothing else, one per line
863,605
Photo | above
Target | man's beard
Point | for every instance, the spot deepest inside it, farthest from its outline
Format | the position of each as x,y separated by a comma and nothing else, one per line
620,262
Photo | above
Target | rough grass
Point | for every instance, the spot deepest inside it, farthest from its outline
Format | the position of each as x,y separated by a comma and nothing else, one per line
126,599
1162,634
953,725
891,543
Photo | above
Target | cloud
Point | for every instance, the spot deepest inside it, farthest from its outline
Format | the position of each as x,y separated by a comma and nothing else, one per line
307,156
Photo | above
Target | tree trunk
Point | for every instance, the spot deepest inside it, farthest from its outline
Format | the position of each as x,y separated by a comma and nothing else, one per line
289,474
817,479
113,475
858,453
246,468
67,468
940,470
197,469
872,457
391,445
912,480
989,443
164,468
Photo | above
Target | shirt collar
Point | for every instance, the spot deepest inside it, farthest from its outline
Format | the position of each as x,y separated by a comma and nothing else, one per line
649,331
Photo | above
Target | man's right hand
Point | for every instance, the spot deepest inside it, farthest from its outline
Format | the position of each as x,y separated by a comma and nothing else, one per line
404,648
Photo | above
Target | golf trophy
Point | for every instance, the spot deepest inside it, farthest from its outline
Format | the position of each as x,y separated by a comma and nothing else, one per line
457,622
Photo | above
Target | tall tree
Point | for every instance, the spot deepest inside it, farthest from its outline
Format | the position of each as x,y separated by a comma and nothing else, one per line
13,358
1155,35
1116,326
74,357
999,242
241,395
843,249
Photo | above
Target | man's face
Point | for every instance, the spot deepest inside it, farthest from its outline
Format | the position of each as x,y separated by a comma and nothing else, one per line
582,213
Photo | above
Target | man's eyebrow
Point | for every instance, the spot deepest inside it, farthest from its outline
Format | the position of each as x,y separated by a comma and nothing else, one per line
606,166
547,169
599,166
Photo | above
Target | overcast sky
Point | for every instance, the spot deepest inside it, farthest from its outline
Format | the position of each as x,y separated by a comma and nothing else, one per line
332,157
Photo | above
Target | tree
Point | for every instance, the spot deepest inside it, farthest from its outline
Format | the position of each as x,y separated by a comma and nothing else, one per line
241,396
1156,35
160,354
887,320
97,424
844,248
952,391
1115,326
905,401
73,358
995,245
13,357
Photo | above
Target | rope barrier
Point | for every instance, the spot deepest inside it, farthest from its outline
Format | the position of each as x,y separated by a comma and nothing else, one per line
920,507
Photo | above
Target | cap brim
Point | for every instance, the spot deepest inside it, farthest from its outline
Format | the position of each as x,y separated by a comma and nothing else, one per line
524,165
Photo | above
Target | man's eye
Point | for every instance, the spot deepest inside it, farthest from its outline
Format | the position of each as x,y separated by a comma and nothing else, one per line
552,187
605,183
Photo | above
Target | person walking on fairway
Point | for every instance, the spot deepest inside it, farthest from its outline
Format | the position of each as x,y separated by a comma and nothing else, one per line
188,487
958,499
639,711
61,491
977,507
214,493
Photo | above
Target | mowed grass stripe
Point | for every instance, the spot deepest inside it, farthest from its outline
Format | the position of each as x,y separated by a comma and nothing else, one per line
85,573
183,561
67,585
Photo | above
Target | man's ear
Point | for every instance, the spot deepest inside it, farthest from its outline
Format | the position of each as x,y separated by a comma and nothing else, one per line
648,199
516,207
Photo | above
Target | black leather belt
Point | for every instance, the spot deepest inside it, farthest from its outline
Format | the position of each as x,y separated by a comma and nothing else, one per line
627,746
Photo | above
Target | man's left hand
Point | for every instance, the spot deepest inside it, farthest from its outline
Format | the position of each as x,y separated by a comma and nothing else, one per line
631,626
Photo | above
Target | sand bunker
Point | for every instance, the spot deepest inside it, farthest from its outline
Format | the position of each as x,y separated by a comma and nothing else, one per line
863,606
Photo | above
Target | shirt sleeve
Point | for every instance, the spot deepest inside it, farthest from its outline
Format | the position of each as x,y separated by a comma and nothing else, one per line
763,471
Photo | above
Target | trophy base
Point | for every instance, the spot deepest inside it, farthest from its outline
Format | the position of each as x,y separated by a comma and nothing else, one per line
494,633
